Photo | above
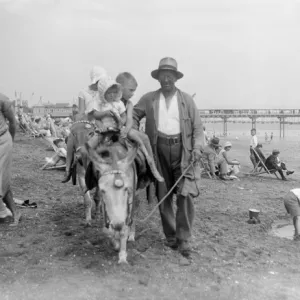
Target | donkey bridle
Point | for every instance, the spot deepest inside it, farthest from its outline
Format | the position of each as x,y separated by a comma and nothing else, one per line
129,204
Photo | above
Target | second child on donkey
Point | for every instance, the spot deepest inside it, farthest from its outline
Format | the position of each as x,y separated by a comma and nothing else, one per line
107,107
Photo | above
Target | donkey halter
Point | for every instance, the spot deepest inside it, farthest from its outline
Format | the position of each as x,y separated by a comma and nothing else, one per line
112,172
129,204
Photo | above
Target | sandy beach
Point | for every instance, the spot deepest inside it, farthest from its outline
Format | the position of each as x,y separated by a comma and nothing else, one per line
51,255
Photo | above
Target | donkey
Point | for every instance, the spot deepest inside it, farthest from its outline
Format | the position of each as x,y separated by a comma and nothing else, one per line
82,132
114,170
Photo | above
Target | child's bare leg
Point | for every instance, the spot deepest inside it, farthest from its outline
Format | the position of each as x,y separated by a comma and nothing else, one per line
143,141
296,221
3,211
69,158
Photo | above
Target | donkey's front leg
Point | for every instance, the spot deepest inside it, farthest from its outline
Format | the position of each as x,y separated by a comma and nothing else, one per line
131,235
123,245
134,212
86,195
99,210
88,209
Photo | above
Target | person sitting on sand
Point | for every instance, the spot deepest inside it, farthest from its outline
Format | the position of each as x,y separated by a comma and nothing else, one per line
292,206
59,156
223,161
210,154
273,163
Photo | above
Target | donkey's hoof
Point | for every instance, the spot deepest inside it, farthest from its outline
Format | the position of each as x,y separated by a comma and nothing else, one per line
88,223
131,237
123,261
122,258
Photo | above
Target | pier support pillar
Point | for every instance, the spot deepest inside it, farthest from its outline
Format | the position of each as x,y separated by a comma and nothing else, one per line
282,127
225,126
253,119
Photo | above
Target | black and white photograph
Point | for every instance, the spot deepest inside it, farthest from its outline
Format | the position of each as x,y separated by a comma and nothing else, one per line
149,150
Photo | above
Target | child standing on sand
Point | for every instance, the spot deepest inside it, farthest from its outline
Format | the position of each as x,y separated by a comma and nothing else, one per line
292,206
253,144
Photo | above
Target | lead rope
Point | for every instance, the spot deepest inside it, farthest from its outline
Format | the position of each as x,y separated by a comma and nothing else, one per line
172,188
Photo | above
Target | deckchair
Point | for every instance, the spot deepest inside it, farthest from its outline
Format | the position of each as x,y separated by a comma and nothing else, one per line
260,168
205,168
49,164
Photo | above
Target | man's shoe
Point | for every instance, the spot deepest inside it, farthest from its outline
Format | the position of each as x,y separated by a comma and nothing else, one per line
224,177
172,243
289,173
185,248
297,238
67,177
284,179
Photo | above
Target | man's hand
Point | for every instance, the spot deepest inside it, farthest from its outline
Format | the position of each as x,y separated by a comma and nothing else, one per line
124,132
196,155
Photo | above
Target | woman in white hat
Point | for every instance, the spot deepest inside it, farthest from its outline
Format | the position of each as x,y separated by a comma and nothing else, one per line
223,161
90,98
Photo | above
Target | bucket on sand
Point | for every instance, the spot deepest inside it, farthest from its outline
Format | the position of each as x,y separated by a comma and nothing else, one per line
253,213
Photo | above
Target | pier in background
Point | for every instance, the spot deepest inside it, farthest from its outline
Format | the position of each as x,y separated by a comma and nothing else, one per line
253,116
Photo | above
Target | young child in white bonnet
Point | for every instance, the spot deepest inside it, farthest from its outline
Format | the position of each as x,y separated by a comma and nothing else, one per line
103,105
111,108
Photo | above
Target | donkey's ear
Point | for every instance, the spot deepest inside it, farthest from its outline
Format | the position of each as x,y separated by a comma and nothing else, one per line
128,160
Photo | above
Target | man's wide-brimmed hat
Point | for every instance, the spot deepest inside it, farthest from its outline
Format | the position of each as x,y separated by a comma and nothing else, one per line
215,142
167,63
275,151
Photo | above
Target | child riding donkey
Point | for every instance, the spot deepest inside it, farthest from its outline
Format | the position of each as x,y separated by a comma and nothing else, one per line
105,106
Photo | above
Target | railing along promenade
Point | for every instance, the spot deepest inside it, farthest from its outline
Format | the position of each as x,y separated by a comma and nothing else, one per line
281,116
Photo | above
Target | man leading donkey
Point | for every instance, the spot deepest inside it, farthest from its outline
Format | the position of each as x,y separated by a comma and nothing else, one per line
175,131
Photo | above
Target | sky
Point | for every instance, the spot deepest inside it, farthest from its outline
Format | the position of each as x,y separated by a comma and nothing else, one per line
233,53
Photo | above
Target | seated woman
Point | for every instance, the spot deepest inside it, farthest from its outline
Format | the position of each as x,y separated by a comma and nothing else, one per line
223,161
273,163
59,156
209,156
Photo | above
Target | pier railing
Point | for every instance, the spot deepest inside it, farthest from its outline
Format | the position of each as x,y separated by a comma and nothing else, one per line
282,116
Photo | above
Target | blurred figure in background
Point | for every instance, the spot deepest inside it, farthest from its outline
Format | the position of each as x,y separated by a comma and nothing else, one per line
223,161
253,144
273,163
7,134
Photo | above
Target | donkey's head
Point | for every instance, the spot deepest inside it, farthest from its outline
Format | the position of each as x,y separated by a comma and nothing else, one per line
113,168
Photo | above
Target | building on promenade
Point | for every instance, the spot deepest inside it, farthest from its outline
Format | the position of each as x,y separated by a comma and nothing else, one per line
58,110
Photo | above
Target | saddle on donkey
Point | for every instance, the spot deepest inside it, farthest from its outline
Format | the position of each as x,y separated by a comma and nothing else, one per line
108,138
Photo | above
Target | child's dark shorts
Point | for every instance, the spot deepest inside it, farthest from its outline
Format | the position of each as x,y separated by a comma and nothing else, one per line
292,204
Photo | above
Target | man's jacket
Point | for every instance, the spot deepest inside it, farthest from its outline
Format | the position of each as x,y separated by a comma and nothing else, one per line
191,129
